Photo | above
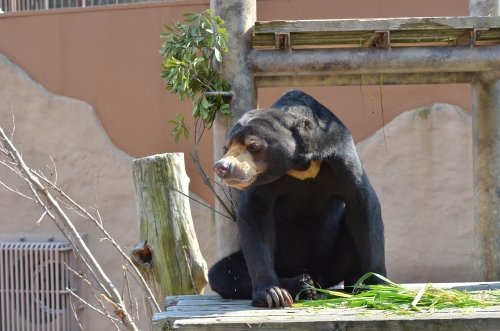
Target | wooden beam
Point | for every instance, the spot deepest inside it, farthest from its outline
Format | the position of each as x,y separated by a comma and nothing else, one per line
360,32
239,16
378,24
364,80
375,61
486,158
379,39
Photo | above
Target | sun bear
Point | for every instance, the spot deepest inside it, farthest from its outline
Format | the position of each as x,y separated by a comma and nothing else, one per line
307,212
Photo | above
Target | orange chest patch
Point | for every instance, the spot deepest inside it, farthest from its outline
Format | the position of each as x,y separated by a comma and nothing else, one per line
309,173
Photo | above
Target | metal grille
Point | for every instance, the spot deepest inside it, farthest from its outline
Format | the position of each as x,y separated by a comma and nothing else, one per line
34,283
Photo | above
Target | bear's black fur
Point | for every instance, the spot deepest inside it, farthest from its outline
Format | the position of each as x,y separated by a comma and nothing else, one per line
306,210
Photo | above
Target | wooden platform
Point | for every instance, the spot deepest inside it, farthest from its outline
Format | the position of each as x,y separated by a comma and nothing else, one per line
213,313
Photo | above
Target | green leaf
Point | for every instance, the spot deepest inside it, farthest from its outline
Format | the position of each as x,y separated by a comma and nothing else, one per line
189,17
225,109
205,103
218,56
180,128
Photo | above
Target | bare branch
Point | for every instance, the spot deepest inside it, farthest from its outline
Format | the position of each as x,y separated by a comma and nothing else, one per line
88,304
8,188
54,170
75,314
41,217
93,290
98,222
13,125
45,199
195,155
126,287
99,218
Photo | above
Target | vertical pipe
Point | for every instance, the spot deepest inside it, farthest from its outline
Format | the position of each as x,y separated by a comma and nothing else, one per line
239,16
486,152
3,273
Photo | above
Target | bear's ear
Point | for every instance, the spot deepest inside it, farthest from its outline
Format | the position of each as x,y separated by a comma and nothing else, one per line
303,126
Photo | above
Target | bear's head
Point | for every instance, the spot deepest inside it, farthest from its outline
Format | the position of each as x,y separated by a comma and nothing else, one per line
265,145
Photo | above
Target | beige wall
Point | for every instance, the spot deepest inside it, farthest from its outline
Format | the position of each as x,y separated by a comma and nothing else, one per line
421,166
108,57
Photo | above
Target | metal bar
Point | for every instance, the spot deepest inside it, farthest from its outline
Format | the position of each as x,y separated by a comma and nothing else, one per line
23,286
17,313
375,61
3,288
486,156
36,285
368,79
31,287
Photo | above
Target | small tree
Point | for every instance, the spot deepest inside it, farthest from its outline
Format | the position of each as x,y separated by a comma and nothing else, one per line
191,56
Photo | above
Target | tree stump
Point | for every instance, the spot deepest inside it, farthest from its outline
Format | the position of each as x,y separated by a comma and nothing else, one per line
167,253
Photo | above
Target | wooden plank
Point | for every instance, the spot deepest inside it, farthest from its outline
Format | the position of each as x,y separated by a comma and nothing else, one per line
378,24
213,313
359,32
490,34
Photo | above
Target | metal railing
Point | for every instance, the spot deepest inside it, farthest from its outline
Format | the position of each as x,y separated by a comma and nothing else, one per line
25,5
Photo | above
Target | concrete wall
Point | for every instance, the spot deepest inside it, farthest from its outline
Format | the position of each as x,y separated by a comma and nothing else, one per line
421,167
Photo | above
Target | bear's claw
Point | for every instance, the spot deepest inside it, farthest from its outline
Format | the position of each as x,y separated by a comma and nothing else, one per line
308,292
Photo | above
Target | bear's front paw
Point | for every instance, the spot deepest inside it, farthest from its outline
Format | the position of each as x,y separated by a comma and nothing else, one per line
308,292
274,297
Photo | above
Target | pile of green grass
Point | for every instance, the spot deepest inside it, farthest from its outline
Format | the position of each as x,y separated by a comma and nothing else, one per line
400,299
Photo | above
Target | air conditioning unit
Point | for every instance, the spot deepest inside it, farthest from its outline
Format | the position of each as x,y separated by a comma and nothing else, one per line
34,286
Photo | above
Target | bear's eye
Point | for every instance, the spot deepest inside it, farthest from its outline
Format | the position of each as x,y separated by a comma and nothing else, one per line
253,147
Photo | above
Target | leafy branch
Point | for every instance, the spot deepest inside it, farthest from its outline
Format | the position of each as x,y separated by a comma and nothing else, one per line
191,55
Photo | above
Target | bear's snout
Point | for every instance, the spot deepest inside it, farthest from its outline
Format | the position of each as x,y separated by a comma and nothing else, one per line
223,168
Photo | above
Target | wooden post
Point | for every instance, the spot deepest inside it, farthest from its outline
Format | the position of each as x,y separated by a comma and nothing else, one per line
240,16
486,151
168,251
